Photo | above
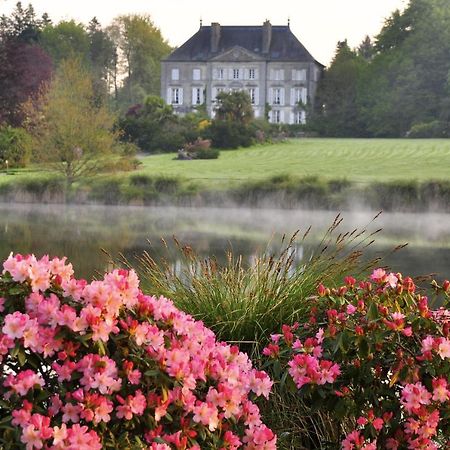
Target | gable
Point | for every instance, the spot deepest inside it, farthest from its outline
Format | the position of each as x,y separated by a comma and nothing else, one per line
237,54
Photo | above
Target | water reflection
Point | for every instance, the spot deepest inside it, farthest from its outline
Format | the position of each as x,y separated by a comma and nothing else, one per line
80,232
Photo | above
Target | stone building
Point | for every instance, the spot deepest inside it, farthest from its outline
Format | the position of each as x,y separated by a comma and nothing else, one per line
267,61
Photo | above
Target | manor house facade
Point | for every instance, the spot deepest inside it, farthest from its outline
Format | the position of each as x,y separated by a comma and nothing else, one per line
267,61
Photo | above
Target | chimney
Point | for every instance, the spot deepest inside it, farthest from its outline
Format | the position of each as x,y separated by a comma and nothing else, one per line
215,36
266,36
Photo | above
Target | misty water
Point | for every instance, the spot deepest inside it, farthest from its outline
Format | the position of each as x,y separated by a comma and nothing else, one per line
81,232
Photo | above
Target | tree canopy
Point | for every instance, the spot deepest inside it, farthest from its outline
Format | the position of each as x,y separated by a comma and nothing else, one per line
400,82
71,133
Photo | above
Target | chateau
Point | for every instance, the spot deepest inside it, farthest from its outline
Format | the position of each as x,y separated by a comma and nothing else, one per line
267,61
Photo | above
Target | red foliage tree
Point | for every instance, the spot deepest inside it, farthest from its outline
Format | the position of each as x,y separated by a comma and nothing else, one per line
24,68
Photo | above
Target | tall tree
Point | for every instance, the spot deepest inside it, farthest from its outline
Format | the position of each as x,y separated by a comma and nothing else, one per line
102,57
66,40
337,103
141,48
70,132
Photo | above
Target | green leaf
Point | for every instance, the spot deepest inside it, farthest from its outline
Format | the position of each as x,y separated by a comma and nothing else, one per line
22,357
364,347
372,312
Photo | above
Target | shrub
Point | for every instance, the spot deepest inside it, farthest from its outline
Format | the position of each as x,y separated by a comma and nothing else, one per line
15,147
228,134
373,358
41,186
433,129
101,365
108,190
200,149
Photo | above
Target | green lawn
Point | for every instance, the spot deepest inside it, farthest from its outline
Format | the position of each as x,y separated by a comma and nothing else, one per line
360,160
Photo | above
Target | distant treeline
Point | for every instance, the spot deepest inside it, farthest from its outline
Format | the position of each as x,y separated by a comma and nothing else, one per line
395,85
123,58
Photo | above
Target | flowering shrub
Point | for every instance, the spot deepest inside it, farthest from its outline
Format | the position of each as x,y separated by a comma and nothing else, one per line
376,358
101,365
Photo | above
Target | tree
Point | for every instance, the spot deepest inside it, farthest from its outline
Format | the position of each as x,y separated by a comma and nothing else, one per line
337,103
231,127
102,57
235,107
24,69
141,48
71,133
66,40
366,49
22,25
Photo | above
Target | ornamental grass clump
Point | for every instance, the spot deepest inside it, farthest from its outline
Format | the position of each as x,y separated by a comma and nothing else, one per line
374,358
86,366
244,303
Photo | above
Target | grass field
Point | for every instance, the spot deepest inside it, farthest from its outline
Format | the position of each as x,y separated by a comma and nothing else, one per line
360,160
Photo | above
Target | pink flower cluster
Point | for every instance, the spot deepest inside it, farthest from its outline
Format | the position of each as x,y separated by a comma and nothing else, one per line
107,353
306,365
383,354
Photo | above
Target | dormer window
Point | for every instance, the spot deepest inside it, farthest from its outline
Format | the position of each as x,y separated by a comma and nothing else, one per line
175,74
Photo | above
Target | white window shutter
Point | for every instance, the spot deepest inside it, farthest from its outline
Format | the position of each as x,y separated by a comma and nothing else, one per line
281,74
270,96
281,116
304,95
293,96
194,96
181,96
256,96
270,116
291,118
169,95
230,74
282,96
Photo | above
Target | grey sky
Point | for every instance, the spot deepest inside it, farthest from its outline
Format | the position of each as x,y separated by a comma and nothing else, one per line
319,24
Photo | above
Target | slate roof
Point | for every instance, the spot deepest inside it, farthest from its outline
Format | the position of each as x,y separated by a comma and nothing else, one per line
284,45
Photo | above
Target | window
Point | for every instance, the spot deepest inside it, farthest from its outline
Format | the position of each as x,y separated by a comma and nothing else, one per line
277,96
220,73
236,73
197,97
299,117
278,74
298,95
196,74
251,74
175,74
299,75
276,116
176,98
252,94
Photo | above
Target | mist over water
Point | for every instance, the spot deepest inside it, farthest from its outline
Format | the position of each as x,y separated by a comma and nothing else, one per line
80,232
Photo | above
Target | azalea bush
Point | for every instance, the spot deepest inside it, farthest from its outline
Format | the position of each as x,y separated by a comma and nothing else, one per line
101,365
374,358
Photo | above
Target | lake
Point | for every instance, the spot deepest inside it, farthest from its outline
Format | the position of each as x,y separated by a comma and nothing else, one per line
81,232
